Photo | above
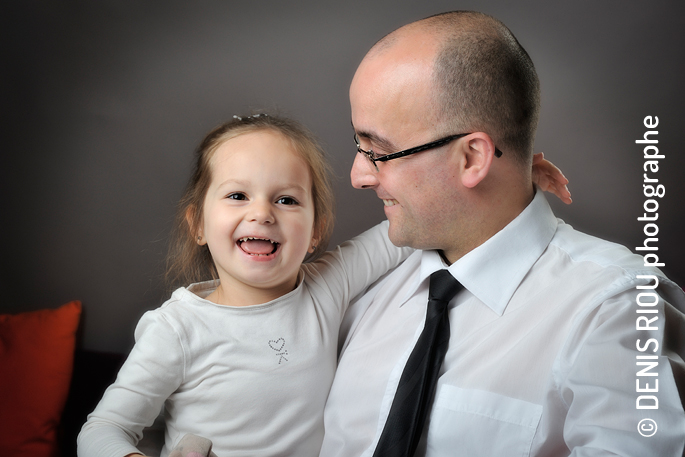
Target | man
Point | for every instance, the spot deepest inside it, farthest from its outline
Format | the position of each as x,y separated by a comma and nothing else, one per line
552,350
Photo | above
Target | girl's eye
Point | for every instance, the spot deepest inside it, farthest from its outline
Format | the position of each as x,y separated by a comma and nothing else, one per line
286,201
236,196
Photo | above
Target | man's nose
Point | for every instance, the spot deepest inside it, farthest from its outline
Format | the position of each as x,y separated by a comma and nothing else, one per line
363,174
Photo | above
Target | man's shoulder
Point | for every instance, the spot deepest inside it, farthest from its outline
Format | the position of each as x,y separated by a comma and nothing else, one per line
583,249
584,265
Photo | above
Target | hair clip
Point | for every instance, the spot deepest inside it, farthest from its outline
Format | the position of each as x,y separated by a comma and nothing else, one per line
254,116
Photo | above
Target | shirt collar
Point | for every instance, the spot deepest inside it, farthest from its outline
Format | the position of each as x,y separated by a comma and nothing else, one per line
493,271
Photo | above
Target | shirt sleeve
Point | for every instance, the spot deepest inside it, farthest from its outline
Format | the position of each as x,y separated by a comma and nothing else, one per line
350,268
621,378
151,373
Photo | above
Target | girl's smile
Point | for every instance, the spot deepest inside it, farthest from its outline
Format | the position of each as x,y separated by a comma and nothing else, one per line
260,247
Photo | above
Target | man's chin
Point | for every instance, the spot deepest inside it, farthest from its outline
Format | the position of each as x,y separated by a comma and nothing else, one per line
403,237
399,237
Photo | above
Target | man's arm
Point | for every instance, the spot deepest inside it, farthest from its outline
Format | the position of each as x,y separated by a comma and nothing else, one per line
623,377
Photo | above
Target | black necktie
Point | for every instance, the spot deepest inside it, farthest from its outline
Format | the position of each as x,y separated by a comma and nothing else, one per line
407,415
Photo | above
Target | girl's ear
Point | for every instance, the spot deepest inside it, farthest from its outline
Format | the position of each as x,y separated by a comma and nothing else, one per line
194,231
312,246
479,151
315,239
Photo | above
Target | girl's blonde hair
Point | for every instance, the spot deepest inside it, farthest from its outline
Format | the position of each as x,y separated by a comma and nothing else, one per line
188,262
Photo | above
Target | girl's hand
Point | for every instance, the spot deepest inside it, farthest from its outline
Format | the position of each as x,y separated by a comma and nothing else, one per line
549,178
193,446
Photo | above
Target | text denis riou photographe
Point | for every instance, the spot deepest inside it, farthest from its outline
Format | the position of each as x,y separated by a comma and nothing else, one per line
648,319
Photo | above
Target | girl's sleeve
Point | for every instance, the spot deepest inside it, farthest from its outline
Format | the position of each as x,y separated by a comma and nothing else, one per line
151,373
352,267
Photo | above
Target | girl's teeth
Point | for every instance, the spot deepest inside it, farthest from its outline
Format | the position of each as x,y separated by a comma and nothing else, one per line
254,238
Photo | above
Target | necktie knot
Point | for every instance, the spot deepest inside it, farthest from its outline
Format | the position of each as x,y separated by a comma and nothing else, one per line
443,286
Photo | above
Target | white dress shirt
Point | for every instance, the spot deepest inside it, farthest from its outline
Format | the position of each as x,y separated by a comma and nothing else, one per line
543,357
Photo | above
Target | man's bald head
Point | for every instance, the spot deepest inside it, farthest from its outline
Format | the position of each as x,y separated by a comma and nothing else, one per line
482,78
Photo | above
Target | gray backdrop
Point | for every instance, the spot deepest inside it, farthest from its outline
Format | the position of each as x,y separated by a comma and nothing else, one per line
104,101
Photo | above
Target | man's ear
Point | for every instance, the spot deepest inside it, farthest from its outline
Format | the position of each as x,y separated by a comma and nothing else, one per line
195,231
479,151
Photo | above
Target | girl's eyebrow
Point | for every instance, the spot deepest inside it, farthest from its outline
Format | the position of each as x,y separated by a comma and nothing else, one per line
239,182
293,186
245,183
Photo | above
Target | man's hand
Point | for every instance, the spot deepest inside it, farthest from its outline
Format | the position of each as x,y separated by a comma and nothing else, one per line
549,178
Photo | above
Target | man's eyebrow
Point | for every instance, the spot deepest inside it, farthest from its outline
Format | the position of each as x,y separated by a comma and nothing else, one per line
383,143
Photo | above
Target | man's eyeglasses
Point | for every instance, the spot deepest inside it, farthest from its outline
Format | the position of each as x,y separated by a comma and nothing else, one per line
373,157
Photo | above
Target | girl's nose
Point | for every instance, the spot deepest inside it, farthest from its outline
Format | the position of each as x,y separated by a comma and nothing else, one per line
261,212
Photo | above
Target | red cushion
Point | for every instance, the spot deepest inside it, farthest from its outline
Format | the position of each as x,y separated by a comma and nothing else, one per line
36,356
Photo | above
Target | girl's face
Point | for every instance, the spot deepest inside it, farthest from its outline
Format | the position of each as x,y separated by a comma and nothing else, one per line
258,217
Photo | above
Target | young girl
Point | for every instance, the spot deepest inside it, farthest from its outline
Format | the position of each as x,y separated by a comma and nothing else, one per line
247,358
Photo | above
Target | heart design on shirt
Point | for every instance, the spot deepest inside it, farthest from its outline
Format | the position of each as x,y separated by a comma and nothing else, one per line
277,345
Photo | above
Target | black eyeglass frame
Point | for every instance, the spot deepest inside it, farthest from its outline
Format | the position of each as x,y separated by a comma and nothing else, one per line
424,147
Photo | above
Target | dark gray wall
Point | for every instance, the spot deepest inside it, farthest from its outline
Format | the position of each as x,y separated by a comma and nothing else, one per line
103,103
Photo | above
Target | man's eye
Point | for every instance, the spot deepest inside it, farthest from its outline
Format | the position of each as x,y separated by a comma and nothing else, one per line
236,196
377,155
287,201
374,154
